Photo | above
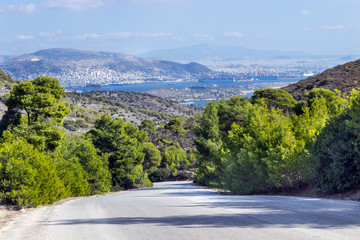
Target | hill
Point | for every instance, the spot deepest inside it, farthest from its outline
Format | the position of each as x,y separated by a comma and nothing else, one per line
80,68
342,77
6,81
131,106
5,85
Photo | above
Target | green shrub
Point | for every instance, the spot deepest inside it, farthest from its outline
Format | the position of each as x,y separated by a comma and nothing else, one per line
82,123
336,152
159,175
70,125
77,150
28,177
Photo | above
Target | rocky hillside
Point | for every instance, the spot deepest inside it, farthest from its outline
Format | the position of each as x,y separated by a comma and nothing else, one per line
80,68
5,82
5,85
131,106
343,77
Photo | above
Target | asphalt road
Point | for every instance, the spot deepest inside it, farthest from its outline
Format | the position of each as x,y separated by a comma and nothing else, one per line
181,210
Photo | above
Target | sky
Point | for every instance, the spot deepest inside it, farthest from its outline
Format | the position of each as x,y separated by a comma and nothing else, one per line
137,26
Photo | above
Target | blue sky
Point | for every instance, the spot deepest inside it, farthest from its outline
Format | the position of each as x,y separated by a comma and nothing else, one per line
136,26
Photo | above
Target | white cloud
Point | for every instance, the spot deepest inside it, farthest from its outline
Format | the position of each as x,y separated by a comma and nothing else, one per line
138,35
336,27
305,12
50,34
233,34
22,8
74,4
203,35
87,36
24,37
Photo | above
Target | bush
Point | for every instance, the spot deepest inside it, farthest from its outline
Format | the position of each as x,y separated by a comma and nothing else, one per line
28,177
70,125
82,123
80,151
159,175
336,152
277,98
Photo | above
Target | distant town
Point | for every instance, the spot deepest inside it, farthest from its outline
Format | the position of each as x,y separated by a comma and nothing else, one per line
199,95
223,70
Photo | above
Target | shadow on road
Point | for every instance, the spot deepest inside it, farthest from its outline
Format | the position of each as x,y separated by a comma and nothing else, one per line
257,220
211,210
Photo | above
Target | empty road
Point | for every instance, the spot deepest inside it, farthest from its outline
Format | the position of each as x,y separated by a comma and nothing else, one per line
181,210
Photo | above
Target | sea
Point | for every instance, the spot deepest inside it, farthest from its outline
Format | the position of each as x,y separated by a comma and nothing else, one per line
143,87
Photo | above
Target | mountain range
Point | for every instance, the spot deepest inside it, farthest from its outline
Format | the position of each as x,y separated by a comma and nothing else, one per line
223,53
79,68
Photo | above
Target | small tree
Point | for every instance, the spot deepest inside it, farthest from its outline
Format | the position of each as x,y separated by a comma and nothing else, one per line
27,176
277,98
40,100
123,143
148,126
175,125
152,159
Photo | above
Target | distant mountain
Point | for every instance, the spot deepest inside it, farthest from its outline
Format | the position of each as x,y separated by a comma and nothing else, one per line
78,68
342,77
210,52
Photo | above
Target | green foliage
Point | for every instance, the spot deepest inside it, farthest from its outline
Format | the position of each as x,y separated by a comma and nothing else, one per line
250,148
261,148
174,157
334,101
336,152
77,149
123,143
277,98
175,125
3,75
40,100
70,125
148,126
211,147
83,116
152,159
72,175
27,177
6,81
43,136
74,125
159,175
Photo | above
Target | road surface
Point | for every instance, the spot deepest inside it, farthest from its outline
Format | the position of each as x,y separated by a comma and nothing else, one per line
181,210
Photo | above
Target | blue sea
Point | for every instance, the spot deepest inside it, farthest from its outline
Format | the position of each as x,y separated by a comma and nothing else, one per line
143,87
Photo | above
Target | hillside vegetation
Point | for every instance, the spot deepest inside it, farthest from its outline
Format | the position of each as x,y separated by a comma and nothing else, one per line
275,143
131,106
270,143
41,163
343,78
6,82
